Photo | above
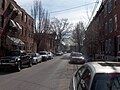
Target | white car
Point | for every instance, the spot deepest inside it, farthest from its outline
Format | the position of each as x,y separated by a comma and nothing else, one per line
97,76
50,55
36,58
44,55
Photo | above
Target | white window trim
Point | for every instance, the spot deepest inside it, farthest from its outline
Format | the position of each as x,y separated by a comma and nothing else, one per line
110,21
115,22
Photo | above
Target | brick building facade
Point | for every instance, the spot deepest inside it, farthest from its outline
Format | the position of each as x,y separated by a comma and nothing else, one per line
103,33
45,41
16,28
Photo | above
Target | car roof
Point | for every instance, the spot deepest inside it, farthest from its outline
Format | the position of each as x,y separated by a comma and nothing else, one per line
104,67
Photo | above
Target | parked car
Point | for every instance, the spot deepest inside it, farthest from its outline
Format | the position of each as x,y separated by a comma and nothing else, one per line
50,55
44,55
77,58
36,58
16,59
59,53
97,76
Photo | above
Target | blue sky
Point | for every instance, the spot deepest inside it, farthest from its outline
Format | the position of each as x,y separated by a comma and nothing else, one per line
74,15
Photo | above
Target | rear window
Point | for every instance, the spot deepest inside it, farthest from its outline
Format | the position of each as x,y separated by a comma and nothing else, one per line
76,54
105,81
43,53
14,53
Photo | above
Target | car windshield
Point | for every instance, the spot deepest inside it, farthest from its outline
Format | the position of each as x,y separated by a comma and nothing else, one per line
33,55
14,53
106,82
42,53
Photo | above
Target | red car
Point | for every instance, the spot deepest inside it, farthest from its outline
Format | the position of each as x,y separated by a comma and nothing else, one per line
77,57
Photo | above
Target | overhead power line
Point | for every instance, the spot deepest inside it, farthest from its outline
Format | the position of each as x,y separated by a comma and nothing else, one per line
94,9
74,7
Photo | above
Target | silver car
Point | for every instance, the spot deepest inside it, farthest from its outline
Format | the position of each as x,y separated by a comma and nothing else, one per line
50,55
97,76
36,58
44,55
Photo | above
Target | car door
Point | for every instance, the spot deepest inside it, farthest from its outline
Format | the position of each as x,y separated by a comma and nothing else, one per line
84,79
24,58
76,79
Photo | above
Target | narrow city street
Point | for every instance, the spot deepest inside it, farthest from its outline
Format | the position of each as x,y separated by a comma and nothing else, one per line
54,74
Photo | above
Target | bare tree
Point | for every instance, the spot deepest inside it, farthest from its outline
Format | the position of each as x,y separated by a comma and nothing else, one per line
61,27
41,21
78,35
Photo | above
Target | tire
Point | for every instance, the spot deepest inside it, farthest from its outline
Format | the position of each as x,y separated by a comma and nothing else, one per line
37,61
18,67
30,63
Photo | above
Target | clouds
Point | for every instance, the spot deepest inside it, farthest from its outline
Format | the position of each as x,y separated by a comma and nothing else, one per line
55,5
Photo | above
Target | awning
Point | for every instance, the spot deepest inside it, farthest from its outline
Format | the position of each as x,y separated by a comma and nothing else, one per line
13,24
18,25
14,41
63,43
13,7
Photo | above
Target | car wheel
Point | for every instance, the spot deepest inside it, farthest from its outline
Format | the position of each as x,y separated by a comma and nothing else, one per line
37,61
30,63
18,67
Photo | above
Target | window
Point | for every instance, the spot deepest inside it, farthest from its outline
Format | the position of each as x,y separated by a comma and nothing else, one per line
22,30
25,18
106,29
2,4
84,80
106,45
115,22
26,32
29,21
1,20
115,3
79,74
105,11
110,25
109,6
118,43
104,81
22,16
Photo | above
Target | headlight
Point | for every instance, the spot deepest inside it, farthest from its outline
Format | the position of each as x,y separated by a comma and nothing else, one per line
82,58
34,58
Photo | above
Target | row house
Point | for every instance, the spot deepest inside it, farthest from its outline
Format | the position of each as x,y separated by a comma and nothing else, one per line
16,28
106,29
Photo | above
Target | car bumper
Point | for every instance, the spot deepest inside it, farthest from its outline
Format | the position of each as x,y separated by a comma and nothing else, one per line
5,65
44,58
77,61
34,61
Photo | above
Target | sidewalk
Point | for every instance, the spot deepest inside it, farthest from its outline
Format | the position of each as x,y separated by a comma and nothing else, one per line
70,69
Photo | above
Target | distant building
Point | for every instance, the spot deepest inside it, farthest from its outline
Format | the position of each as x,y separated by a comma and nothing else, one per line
45,41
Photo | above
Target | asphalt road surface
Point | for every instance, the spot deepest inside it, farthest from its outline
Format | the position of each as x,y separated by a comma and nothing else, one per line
54,74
